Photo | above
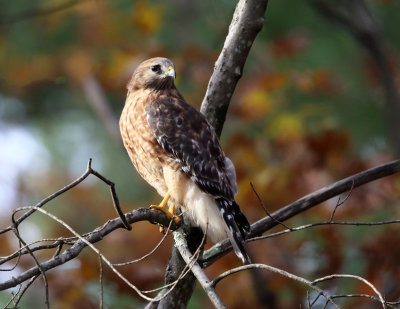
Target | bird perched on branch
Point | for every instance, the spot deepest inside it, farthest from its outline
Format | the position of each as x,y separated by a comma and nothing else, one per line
177,151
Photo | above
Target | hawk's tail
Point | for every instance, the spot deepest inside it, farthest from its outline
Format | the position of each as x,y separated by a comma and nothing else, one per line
237,224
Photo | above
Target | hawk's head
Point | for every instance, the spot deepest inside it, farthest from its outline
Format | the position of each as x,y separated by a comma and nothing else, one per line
157,73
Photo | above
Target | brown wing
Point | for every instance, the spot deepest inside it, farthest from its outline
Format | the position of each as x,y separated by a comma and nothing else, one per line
185,134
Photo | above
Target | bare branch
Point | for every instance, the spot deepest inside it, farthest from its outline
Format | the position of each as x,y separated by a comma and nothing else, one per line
266,210
307,202
12,300
284,273
306,226
101,282
247,21
330,277
340,203
42,269
152,250
181,244
43,273
156,216
390,304
77,181
141,214
113,195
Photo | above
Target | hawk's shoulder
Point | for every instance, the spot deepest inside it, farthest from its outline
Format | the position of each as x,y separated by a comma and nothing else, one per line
185,134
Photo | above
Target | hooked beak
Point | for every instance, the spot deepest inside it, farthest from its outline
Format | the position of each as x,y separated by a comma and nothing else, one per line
170,72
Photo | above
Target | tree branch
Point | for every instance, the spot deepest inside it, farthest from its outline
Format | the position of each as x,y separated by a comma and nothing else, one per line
77,181
141,214
284,273
181,245
307,202
247,21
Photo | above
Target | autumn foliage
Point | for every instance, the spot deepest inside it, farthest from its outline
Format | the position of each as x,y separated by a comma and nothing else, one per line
306,113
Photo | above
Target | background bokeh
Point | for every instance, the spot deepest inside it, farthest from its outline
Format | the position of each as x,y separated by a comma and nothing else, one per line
308,111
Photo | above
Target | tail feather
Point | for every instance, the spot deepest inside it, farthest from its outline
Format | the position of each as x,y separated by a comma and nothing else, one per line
237,224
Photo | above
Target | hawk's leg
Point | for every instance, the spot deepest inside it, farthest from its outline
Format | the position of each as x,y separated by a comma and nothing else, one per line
170,212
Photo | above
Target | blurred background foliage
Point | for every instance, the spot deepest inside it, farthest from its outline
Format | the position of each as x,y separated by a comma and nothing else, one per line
307,112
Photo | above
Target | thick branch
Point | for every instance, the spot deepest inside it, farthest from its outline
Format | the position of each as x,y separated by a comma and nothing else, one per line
179,297
181,245
305,203
247,21
98,234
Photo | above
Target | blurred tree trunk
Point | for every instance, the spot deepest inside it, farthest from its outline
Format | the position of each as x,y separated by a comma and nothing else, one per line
358,19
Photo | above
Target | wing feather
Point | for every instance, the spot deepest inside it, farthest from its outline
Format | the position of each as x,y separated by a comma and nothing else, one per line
185,134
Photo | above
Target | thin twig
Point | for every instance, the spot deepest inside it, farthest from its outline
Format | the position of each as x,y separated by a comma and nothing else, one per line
25,289
307,202
77,181
114,195
388,303
22,251
87,242
184,272
316,298
181,244
282,272
101,282
14,296
330,277
141,214
340,203
151,252
51,197
306,226
265,208
46,283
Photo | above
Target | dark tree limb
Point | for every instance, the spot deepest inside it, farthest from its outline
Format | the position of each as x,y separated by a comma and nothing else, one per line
247,21
357,18
185,287
307,202
141,214
89,171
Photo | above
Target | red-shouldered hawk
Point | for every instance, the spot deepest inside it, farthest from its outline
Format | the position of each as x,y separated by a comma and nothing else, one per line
177,151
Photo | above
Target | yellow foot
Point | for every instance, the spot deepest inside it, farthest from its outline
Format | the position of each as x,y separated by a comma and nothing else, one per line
170,212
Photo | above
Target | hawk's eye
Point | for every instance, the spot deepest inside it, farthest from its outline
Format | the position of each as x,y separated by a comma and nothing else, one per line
155,68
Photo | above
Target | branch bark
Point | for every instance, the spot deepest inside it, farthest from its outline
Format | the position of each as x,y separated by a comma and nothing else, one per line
141,214
182,246
247,21
307,202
